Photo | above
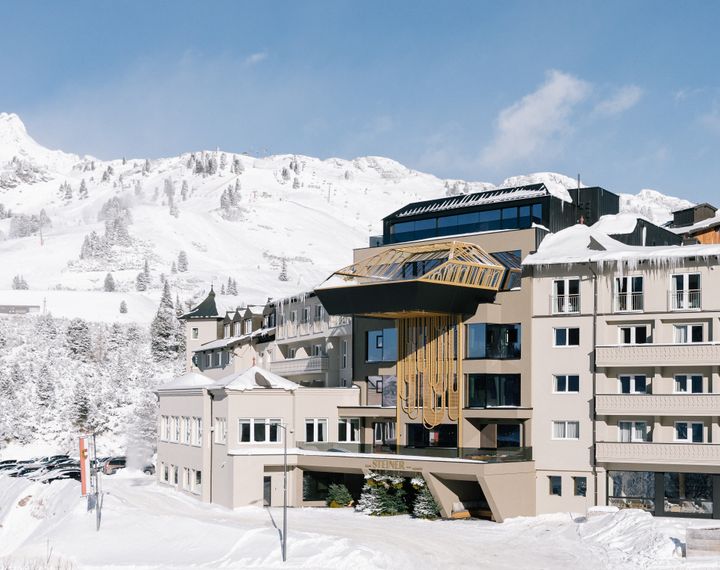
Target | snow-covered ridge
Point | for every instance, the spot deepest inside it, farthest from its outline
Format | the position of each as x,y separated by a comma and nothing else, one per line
288,223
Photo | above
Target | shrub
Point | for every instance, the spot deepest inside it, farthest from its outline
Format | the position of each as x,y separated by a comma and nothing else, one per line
424,506
382,495
338,496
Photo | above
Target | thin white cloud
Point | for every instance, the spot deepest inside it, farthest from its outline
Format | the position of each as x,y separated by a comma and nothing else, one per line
711,121
622,100
255,58
538,122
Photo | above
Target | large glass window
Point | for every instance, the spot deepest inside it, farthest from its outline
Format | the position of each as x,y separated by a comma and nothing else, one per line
508,435
566,383
633,431
555,482
349,429
688,384
499,342
493,390
688,333
444,435
259,430
685,291
632,489
381,345
569,336
315,429
688,493
636,334
636,384
689,432
629,294
566,296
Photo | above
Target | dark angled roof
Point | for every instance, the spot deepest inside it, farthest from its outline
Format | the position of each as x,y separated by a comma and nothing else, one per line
205,310
474,199
704,204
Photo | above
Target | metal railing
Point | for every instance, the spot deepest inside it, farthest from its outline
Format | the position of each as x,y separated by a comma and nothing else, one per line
629,302
486,455
565,304
686,300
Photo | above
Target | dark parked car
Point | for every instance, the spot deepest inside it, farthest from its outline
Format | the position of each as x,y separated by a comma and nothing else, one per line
60,474
114,464
149,469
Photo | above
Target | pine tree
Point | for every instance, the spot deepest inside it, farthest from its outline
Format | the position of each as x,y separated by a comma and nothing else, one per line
424,506
123,307
19,283
146,167
182,262
164,329
184,190
109,283
80,406
222,289
142,281
77,339
45,387
83,192
173,268
283,271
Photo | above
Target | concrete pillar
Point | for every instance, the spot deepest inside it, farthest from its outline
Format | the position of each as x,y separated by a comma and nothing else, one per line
715,384
655,387
656,429
715,429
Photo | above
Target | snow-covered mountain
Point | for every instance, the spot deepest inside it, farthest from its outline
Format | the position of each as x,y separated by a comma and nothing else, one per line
276,225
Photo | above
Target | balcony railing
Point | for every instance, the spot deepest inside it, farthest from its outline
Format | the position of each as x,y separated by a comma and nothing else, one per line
686,300
565,304
485,455
683,405
294,366
690,354
629,302
658,453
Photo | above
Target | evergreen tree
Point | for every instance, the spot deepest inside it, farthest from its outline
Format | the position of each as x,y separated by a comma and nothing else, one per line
184,190
173,268
424,506
142,281
45,387
164,329
77,339
109,283
178,307
146,167
80,406
83,192
182,262
19,283
123,307
45,327
283,271
222,289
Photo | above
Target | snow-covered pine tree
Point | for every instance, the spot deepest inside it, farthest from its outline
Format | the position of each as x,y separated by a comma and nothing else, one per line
222,289
173,268
146,167
283,271
83,192
184,190
123,307
45,387
178,307
182,262
77,339
164,329
109,284
80,405
19,283
424,506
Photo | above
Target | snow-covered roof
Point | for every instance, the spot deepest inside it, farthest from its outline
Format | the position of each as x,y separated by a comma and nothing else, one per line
702,225
617,224
222,342
255,378
187,380
581,243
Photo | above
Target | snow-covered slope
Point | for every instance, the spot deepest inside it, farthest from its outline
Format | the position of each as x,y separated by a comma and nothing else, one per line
288,223
653,205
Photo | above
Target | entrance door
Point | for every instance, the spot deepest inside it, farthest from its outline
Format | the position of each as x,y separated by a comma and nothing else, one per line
267,491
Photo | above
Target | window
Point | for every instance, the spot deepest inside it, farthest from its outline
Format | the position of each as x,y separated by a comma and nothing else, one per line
689,432
186,478
685,334
305,315
349,430
194,333
512,261
319,312
381,345
508,435
443,435
217,358
196,481
555,485
248,326
291,353
636,384
688,384
685,292
315,429
236,328
208,360
569,336
634,489
164,428
344,354
317,350
185,430
566,430
493,390
384,433
633,431
259,430
196,436
499,342
566,383
220,430
226,331
175,475
628,293
165,472
580,484
566,296
293,316
636,334
176,428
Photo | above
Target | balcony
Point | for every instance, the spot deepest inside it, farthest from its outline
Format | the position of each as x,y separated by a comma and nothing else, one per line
629,302
564,304
686,300
628,355
484,455
297,366
658,453
690,405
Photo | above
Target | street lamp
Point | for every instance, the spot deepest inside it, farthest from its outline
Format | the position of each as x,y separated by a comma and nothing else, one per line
287,431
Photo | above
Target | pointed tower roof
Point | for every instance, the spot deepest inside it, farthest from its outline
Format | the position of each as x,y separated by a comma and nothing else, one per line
205,310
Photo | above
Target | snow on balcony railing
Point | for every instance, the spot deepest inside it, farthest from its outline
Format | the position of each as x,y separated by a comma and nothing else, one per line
687,300
565,304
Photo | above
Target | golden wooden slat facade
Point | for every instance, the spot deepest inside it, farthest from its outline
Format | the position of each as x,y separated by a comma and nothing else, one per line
429,369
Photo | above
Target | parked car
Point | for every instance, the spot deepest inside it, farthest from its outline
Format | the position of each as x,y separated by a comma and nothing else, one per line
60,474
149,469
24,471
114,464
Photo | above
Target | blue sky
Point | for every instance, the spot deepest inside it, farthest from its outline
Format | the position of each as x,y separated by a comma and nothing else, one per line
625,93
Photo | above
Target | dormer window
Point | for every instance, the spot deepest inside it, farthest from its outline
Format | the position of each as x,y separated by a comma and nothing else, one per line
227,331
208,360
237,329
248,326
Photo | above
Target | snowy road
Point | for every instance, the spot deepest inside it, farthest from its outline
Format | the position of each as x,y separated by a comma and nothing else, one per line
147,526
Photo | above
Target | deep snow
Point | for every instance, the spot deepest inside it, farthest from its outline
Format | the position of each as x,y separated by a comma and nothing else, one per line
147,525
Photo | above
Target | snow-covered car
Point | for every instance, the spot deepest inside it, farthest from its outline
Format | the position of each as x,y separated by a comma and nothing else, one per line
26,470
149,469
52,458
114,464
60,474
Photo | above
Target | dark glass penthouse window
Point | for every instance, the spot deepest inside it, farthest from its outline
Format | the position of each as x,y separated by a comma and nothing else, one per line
381,345
444,435
493,390
498,342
